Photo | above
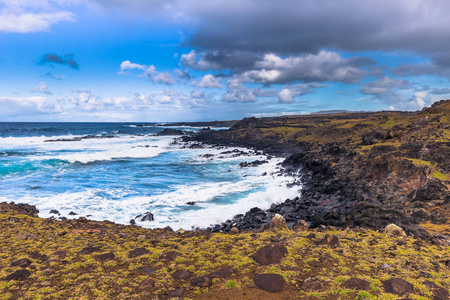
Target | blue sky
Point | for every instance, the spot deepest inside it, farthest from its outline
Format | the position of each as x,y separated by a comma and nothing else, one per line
190,60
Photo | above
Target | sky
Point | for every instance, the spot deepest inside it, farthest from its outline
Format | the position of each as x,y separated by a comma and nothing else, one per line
196,60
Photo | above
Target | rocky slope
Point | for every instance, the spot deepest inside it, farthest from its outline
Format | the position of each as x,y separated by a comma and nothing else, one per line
82,259
358,169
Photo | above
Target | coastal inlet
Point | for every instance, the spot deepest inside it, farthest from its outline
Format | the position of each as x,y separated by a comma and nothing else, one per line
122,172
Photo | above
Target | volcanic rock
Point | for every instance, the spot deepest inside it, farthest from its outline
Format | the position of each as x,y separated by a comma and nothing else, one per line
273,283
398,286
270,254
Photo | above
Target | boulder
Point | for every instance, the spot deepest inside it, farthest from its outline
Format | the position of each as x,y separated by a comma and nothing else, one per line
21,274
439,293
270,254
202,281
181,274
223,273
331,241
394,230
105,257
89,250
137,252
147,217
398,286
278,223
23,263
273,283
356,284
301,225
177,293
148,283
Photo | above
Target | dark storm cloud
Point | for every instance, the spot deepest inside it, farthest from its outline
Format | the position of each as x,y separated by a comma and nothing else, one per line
52,58
304,26
441,91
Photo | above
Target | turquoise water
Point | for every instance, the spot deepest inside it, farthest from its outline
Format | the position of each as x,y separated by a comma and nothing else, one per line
119,170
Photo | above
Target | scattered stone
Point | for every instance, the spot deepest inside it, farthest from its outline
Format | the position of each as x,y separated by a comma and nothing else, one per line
62,218
311,236
181,275
270,254
394,230
190,203
439,293
331,241
234,230
21,274
312,285
46,283
147,217
138,252
132,222
273,283
278,223
384,267
23,263
223,273
59,253
264,227
356,284
105,257
54,211
301,225
147,284
72,213
177,293
145,270
141,237
37,255
48,272
398,286
202,281
89,250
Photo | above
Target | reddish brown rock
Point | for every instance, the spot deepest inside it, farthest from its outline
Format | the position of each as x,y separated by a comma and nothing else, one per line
312,285
137,252
223,273
398,286
356,284
147,284
21,274
23,263
331,241
202,281
181,274
439,293
105,257
170,255
89,250
177,293
273,283
270,254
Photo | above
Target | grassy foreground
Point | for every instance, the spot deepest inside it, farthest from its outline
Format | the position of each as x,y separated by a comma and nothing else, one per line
82,259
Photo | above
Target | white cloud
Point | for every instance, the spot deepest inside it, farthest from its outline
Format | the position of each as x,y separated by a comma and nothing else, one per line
147,71
28,106
321,67
42,89
198,62
163,77
210,81
286,96
32,16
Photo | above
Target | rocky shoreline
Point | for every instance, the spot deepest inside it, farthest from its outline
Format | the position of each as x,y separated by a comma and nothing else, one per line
344,186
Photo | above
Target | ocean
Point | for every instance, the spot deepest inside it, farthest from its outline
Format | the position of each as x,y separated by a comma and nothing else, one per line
116,171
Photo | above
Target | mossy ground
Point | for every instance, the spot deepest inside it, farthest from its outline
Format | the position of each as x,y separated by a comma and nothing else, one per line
362,253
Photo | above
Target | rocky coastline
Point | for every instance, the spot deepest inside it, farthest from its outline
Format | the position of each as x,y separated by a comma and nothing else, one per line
366,175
